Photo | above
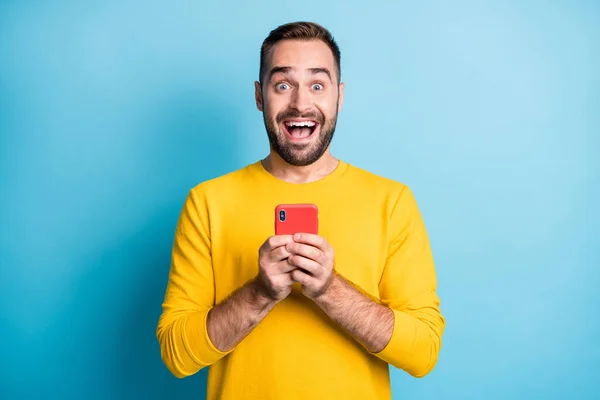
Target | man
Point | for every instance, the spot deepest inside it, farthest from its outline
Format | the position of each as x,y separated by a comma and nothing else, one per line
303,316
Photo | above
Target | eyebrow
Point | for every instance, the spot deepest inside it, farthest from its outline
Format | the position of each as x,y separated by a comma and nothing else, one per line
313,71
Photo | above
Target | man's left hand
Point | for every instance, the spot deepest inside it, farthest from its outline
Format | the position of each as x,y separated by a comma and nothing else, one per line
314,259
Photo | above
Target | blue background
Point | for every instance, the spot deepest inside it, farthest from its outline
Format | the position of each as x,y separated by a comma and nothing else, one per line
110,112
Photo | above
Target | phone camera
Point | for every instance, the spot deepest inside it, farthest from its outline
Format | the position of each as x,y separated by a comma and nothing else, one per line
282,215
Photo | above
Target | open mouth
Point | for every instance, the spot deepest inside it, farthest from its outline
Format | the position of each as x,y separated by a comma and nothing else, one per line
298,129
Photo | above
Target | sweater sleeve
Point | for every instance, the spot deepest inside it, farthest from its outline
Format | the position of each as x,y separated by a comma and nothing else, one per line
182,333
408,287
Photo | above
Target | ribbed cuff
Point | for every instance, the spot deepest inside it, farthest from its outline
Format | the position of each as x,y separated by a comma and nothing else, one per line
198,343
402,340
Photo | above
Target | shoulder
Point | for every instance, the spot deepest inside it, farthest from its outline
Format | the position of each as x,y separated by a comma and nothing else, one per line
377,183
391,193
223,187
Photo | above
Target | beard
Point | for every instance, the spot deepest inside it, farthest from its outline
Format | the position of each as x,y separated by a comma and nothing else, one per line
297,154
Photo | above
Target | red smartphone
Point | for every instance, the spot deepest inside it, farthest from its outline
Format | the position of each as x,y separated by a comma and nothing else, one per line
296,218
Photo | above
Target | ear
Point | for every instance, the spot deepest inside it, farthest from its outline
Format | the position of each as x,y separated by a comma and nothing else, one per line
258,96
340,96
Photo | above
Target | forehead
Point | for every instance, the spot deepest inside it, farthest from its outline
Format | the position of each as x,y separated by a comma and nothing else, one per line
301,54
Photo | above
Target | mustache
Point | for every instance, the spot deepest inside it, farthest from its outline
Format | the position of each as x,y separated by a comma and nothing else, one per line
289,114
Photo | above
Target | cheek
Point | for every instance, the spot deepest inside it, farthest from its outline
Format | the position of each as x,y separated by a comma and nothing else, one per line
273,107
329,106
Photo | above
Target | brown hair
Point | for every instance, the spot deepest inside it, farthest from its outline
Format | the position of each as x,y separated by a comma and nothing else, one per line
300,31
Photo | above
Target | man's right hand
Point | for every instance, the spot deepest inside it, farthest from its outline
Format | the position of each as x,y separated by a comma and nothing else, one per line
235,317
274,276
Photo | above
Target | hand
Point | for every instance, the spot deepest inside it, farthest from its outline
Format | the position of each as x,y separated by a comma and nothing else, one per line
314,259
274,279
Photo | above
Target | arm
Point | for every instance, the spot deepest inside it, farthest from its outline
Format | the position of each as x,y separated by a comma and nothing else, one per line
182,331
233,319
408,288
404,327
366,319
192,331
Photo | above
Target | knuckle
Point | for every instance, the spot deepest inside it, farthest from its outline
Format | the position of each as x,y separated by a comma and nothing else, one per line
297,276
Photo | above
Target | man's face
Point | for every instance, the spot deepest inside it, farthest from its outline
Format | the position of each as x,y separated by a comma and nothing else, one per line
300,99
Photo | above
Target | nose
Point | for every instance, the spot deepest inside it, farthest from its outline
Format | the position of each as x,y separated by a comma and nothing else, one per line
301,100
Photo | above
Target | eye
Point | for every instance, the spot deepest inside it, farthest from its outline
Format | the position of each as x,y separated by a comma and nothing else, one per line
317,86
282,86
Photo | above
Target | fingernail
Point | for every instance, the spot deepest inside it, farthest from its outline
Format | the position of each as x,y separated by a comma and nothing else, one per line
297,236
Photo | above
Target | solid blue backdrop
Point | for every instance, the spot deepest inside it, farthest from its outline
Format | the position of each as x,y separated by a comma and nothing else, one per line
110,112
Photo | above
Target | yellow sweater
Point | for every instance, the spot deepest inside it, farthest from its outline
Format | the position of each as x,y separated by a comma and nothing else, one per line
297,352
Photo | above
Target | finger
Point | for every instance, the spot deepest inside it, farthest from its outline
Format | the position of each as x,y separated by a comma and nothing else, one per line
310,266
286,279
278,254
276,241
312,240
303,278
284,267
305,250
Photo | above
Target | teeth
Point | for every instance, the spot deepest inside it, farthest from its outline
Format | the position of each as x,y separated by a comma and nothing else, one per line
300,123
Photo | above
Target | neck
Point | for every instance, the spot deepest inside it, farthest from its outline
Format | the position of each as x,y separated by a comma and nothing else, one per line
280,169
